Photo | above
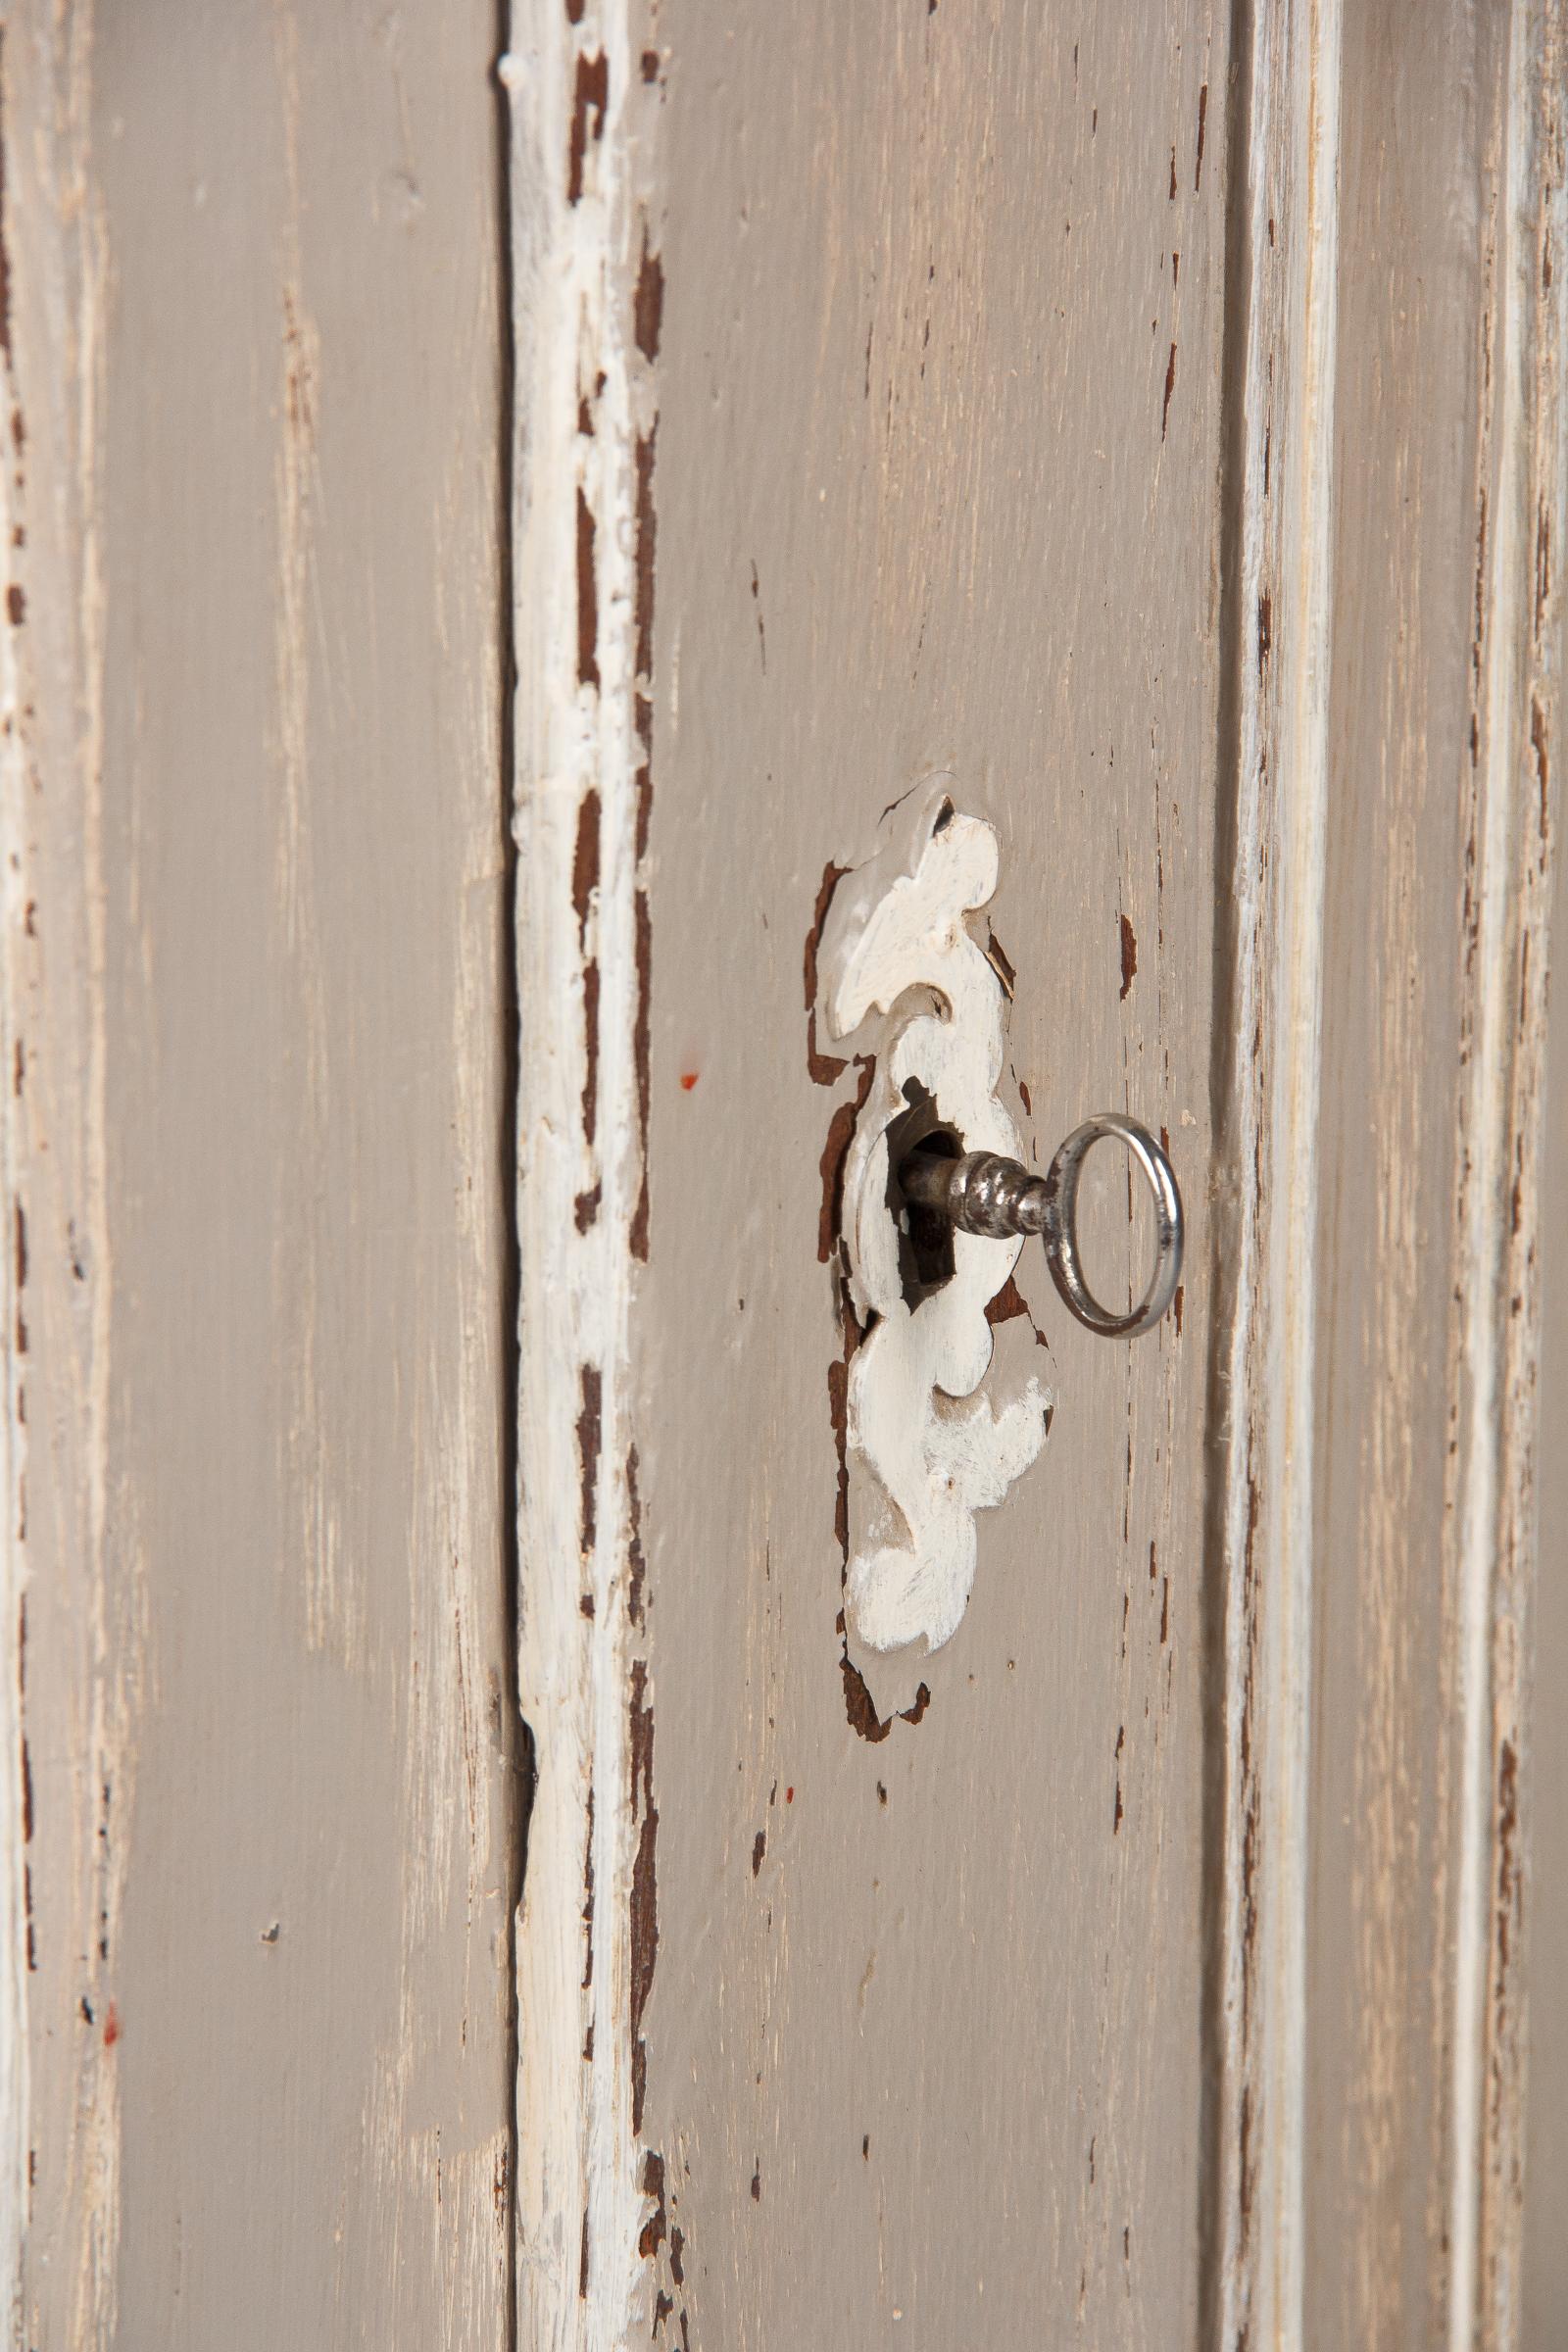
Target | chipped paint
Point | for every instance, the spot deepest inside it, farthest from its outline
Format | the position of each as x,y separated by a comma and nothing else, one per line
588,295
61,2178
921,1460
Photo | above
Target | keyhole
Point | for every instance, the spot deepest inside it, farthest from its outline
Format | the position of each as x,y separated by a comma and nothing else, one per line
925,1237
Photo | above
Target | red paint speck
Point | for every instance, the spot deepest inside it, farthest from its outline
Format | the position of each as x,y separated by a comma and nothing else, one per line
789,1797
111,2027
688,1079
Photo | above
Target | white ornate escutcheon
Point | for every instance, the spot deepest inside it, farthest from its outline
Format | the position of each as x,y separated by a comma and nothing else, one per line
903,976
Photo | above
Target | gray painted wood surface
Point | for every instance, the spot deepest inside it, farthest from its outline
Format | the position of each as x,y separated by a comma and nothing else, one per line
950,471
1152,416
1434,939
259,1027
922,2000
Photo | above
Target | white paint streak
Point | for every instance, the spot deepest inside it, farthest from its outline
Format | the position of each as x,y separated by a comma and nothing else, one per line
922,1460
580,2206
1500,1128
1283,656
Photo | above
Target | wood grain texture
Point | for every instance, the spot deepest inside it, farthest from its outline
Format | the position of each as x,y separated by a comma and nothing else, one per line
1400,986
1544,2254
1153,417
1441,715
257,1088
937,487
75,1697
930,494
1370,2101
1522,627
1269,932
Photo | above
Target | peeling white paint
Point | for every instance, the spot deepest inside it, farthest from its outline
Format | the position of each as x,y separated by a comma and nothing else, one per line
901,974
581,131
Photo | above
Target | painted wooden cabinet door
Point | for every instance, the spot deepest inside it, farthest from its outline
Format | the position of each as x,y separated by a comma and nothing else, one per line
523,534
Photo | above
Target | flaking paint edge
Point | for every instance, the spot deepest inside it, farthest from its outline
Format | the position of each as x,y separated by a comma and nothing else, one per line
585,329
919,1474
86,1632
